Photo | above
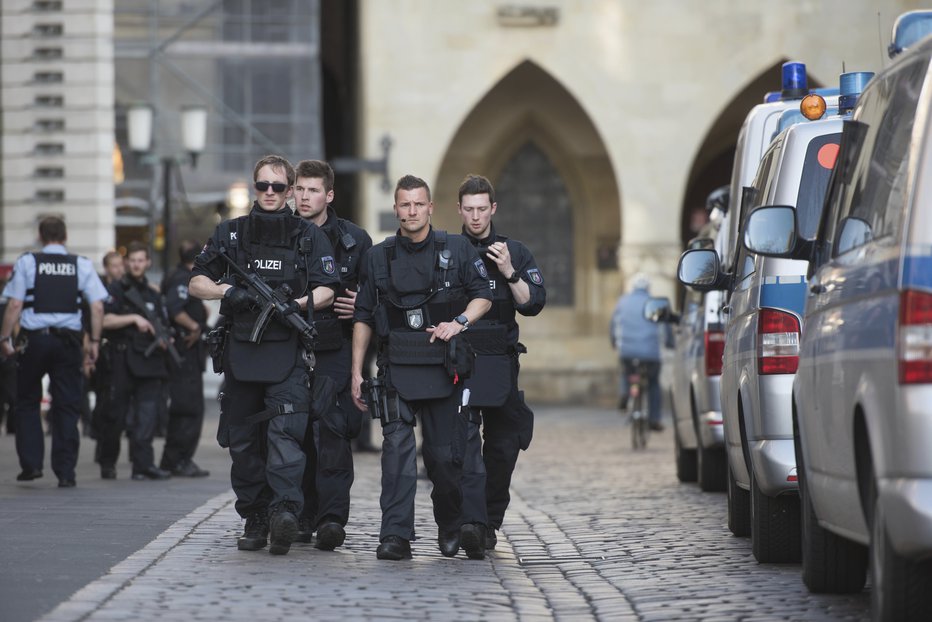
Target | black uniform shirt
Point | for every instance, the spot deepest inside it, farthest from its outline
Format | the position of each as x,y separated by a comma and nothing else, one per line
177,298
464,260
350,260
525,266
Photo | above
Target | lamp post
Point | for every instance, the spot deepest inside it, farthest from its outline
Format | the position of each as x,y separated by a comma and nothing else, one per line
193,139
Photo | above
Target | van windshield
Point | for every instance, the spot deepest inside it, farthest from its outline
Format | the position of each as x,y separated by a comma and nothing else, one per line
817,169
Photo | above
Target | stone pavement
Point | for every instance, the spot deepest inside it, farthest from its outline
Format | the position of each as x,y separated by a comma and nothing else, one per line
595,531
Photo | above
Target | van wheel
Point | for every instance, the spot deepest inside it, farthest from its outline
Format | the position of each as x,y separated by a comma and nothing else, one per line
712,465
831,564
775,536
739,507
901,589
685,460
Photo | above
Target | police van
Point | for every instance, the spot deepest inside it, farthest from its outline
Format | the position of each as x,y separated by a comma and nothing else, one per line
759,358
863,394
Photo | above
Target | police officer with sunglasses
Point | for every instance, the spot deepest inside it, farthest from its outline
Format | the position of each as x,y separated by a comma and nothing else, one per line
264,408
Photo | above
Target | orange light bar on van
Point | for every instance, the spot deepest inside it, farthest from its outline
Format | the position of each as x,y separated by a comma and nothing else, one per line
812,106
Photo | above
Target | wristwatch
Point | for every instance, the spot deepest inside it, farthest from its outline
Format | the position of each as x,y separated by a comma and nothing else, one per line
462,320
514,278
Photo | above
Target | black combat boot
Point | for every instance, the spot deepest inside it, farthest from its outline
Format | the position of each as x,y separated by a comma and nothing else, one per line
449,543
393,548
472,537
256,533
305,530
283,527
330,535
490,539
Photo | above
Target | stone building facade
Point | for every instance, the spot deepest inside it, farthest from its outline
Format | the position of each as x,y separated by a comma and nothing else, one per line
603,123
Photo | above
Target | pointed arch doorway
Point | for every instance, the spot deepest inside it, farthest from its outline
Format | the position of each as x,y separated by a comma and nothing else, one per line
557,193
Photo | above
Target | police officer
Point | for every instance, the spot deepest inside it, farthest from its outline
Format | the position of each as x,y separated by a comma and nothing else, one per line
135,322
517,287
328,474
101,379
418,291
186,380
265,403
43,298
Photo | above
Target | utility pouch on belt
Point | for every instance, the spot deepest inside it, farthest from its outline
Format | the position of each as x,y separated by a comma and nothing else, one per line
492,377
216,341
329,335
460,359
418,368
385,403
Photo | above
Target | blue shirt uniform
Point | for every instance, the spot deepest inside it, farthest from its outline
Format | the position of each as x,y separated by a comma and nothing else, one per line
23,281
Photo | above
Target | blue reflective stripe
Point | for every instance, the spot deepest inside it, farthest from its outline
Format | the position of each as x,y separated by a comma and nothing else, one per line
917,272
785,294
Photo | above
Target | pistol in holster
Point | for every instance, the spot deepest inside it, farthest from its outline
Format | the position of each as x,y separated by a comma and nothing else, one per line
216,342
384,402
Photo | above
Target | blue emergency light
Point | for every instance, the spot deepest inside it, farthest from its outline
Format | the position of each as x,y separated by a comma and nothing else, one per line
852,85
795,85
909,28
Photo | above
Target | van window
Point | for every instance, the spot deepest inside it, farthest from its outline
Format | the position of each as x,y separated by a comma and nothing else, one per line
817,170
876,193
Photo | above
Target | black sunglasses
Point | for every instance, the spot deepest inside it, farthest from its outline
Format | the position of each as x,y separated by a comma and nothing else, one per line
277,187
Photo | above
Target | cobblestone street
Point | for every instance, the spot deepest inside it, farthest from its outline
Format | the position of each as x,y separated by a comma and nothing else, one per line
594,530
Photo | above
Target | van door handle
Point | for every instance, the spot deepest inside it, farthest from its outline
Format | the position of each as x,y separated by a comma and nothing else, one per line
816,288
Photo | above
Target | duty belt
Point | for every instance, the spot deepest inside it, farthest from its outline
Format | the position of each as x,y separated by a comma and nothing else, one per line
52,330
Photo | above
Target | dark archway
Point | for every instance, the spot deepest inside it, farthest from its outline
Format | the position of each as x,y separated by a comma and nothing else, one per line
556,188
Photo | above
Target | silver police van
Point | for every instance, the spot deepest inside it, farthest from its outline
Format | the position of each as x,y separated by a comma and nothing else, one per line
863,394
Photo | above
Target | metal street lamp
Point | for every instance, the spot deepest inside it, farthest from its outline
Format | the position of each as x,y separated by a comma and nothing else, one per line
193,139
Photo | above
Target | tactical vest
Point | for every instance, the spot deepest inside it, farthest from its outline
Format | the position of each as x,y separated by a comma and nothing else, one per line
416,291
332,331
56,286
273,248
138,342
492,380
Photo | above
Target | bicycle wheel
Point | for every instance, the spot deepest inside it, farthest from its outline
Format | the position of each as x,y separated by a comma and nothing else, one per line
638,423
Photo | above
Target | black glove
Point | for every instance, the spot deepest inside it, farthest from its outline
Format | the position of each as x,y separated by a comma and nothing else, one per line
237,300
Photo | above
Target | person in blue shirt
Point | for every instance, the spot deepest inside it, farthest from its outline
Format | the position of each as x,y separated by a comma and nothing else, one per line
636,338
45,294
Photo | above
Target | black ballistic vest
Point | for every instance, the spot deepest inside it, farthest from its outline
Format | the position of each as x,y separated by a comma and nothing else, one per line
331,331
270,246
492,380
416,290
56,287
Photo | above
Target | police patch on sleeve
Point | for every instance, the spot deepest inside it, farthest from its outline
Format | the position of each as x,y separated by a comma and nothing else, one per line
182,292
480,267
328,264
535,277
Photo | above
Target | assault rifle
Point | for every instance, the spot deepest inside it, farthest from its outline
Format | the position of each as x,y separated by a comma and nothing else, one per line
162,334
273,301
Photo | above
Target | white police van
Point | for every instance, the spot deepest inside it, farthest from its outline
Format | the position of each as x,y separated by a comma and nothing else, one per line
863,394
761,335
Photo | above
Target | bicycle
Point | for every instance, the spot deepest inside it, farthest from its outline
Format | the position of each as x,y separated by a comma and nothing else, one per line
637,405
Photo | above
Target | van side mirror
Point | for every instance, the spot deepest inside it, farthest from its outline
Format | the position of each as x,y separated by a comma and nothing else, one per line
771,231
700,269
657,310
854,232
